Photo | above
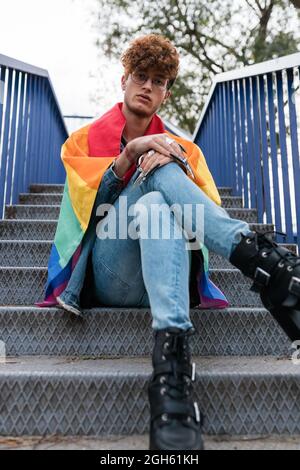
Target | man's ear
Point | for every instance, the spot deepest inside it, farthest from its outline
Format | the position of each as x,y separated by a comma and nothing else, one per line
167,96
123,83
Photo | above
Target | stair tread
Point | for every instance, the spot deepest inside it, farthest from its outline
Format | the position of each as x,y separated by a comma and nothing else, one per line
235,331
219,366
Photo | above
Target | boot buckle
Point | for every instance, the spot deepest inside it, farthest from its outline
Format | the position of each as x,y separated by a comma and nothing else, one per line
294,287
261,278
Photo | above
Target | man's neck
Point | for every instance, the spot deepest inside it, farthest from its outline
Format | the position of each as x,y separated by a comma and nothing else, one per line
136,126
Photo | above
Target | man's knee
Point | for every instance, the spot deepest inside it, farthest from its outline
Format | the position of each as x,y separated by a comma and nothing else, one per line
167,173
153,197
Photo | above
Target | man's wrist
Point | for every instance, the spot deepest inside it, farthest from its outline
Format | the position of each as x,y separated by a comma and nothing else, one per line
116,171
121,165
129,154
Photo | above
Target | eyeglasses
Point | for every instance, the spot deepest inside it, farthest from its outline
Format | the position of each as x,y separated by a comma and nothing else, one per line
140,78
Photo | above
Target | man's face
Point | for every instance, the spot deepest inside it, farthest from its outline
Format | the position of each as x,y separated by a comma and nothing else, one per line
150,89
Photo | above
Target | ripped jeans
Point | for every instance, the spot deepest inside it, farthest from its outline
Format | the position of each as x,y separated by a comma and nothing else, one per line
152,272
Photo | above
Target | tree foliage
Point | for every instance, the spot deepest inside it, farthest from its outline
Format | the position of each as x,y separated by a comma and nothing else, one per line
211,37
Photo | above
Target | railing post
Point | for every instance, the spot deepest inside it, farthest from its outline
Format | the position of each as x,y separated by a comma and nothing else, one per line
237,133
40,117
222,162
24,145
257,154
2,87
18,169
294,145
264,150
250,146
12,141
273,149
284,160
245,157
2,160
231,154
5,143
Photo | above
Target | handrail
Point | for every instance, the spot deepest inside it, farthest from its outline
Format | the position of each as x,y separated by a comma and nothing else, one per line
248,131
274,65
32,130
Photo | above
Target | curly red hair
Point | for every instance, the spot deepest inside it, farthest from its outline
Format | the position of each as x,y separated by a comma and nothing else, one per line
152,51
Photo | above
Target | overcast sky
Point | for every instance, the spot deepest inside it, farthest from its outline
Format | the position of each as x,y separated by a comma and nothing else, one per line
57,35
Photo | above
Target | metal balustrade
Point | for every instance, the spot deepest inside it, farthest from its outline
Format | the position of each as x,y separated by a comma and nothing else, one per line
32,130
249,134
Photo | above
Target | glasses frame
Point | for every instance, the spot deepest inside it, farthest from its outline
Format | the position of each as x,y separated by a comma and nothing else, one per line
166,87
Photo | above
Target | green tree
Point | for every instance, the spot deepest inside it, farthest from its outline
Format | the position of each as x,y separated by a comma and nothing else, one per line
211,37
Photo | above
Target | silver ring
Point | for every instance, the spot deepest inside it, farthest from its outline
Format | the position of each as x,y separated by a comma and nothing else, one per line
169,140
150,153
140,160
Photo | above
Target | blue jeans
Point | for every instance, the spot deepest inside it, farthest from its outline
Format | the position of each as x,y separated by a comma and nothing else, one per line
153,272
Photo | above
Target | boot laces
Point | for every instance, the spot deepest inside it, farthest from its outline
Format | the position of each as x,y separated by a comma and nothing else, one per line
288,257
178,386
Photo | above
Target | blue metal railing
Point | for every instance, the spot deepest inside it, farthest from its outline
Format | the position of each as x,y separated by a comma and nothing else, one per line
249,134
32,130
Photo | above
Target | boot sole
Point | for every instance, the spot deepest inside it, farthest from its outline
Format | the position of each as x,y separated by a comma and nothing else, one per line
153,447
287,317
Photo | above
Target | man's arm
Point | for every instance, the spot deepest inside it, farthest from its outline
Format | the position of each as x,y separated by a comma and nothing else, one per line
123,163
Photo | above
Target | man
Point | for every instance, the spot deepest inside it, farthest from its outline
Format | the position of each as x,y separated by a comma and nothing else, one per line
146,271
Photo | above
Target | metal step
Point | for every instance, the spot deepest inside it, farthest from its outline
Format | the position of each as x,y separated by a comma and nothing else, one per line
141,442
24,253
232,202
58,188
50,199
27,229
51,212
36,253
42,199
46,188
45,230
115,332
32,212
238,396
25,286
224,191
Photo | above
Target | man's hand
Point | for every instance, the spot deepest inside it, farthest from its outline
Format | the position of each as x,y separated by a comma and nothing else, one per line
157,142
160,145
149,161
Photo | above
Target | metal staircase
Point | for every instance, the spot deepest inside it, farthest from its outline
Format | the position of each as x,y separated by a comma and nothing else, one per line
89,377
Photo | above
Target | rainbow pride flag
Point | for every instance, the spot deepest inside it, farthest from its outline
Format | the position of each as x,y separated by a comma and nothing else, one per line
86,155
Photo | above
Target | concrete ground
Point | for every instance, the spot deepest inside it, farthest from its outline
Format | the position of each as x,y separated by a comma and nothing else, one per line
137,442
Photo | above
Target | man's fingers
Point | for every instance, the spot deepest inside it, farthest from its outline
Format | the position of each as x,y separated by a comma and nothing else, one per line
151,162
172,145
162,147
177,149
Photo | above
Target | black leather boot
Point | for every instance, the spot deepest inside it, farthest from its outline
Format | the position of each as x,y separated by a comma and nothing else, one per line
175,418
276,275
